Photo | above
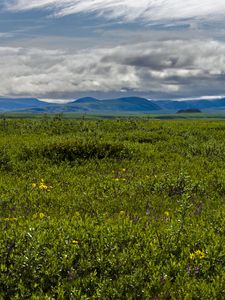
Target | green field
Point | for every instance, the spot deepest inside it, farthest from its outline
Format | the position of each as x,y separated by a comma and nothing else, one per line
112,209
167,115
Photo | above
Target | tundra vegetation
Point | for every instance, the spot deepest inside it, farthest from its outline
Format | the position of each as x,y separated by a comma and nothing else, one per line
112,209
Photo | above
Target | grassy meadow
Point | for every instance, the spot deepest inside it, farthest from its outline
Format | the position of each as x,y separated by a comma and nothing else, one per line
112,209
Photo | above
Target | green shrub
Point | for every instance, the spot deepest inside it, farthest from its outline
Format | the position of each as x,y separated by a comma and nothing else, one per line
67,151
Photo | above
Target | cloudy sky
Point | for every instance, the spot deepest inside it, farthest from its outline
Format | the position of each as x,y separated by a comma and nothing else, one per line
65,49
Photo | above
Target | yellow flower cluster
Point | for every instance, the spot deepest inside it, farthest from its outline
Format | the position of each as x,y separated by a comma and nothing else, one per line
198,254
39,216
75,242
120,175
9,219
118,171
120,179
42,186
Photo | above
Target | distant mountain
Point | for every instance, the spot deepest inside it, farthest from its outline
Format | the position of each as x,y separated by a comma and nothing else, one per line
142,105
191,104
126,105
132,104
14,104
92,105
86,100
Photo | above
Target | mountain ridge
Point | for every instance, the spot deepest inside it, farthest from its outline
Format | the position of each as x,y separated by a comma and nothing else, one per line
9,104
114,105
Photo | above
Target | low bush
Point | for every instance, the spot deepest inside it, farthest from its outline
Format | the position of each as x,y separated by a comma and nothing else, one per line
72,151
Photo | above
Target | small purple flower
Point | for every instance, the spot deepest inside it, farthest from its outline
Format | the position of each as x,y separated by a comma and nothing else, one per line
196,269
188,269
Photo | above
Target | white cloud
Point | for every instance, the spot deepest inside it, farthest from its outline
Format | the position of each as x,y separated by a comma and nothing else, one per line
128,10
177,67
6,34
59,101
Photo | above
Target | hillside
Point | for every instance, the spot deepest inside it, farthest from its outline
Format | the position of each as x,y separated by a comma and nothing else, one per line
84,105
14,104
126,105
190,104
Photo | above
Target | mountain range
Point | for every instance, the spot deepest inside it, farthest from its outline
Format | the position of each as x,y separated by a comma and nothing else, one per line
126,105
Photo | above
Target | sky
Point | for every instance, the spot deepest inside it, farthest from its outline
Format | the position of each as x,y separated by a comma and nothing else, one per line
66,49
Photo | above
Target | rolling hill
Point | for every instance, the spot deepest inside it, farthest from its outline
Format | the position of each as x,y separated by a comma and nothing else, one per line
14,104
82,105
123,105
126,105
191,104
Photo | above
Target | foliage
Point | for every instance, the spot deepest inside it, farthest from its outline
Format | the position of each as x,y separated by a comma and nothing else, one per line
112,209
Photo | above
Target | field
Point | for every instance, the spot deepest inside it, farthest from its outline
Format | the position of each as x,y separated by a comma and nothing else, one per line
112,209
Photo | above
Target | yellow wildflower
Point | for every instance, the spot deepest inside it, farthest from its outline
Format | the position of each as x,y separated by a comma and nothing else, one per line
34,185
198,254
43,186
192,256
41,215
75,242
122,213
77,214
9,219
166,214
